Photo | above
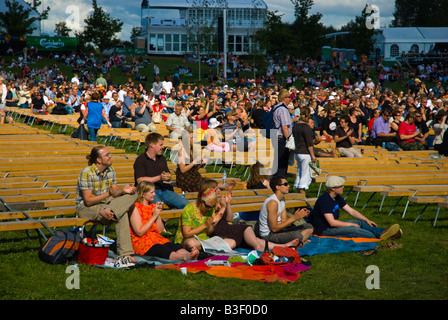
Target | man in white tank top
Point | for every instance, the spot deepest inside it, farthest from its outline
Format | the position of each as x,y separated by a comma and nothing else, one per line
273,223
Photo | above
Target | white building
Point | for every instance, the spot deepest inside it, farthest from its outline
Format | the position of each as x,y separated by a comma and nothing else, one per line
394,41
170,25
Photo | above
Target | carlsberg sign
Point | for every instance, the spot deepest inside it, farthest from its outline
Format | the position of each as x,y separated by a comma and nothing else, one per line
52,43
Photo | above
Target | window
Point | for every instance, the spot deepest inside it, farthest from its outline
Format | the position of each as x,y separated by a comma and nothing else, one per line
394,50
415,48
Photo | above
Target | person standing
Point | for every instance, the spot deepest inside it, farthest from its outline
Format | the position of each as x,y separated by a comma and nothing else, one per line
304,152
282,121
99,198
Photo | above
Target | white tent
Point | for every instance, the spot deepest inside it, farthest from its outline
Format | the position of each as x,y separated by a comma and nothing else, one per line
394,41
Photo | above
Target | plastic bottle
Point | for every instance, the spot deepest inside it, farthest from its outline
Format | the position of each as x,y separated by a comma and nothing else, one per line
384,145
183,194
224,177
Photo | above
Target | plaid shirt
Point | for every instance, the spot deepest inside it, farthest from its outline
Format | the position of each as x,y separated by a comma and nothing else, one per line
91,178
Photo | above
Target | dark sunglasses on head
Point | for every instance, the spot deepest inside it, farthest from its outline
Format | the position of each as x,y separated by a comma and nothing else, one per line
284,184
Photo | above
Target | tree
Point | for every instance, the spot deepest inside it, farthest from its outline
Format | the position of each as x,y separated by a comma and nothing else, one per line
276,35
18,21
100,29
420,13
360,35
61,29
135,33
307,29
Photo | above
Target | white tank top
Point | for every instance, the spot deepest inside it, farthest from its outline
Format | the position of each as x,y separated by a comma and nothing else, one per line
263,218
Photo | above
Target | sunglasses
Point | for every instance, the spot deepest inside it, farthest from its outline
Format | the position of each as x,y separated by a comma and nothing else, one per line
284,184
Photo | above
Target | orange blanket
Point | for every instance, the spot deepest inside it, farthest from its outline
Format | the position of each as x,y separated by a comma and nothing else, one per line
265,273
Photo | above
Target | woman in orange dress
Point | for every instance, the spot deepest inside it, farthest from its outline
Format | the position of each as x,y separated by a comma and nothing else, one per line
146,225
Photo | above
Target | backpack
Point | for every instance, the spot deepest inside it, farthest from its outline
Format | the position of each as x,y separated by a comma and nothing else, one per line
267,120
280,256
62,246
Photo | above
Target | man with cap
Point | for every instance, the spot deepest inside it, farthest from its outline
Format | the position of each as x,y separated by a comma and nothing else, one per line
325,216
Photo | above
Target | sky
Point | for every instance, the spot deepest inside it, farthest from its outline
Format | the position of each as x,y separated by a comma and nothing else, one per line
334,12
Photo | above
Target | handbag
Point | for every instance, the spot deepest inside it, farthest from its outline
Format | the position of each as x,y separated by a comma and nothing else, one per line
291,143
93,250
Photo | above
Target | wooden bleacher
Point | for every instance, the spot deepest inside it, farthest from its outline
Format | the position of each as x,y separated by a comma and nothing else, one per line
39,171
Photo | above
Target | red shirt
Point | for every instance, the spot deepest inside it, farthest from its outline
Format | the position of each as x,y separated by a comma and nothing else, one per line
406,129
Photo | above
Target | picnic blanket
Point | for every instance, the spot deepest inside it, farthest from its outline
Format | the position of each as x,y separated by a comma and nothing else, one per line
265,273
323,245
284,274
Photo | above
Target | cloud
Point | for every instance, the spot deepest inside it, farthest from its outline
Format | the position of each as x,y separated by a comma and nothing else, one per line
334,13
75,11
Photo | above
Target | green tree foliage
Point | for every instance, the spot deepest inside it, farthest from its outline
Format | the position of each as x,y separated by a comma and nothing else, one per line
420,13
303,38
100,29
61,29
18,20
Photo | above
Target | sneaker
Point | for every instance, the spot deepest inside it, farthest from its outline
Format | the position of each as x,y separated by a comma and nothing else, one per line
389,232
124,262
398,235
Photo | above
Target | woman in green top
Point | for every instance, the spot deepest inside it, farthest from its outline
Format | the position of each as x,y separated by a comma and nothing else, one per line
208,217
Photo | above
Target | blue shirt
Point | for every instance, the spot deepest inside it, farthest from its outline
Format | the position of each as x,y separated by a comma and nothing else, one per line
94,115
325,204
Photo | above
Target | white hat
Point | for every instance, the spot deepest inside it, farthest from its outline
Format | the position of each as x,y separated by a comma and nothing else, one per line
334,182
213,123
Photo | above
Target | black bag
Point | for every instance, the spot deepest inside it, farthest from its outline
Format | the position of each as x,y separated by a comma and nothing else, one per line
80,133
62,246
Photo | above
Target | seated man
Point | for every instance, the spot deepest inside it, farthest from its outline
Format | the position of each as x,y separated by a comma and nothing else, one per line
142,115
98,198
177,122
381,132
325,216
153,167
273,223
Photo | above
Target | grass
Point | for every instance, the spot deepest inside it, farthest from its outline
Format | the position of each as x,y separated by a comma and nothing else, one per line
417,271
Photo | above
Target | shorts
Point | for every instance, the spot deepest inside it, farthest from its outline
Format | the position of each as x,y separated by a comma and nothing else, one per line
163,250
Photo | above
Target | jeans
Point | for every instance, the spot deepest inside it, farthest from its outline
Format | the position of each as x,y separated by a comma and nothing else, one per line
170,198
281,158
364,231
93,134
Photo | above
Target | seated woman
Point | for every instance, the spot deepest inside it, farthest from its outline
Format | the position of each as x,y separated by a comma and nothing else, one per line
146,225
408,136
258,180
207,217
188,177
214,137
345,139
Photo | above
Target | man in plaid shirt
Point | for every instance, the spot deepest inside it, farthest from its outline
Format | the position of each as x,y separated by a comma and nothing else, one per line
99,198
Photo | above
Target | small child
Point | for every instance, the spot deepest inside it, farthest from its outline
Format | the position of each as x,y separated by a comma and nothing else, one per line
146,225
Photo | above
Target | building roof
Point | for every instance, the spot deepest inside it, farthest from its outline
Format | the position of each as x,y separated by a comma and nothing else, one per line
216,3
415,34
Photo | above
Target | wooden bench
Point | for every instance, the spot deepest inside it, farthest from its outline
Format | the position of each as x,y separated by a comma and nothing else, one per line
33,218
437,197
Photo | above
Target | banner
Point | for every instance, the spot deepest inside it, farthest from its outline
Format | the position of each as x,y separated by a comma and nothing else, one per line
52,43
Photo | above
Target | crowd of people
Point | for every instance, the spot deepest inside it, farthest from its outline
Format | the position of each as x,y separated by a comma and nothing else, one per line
224,118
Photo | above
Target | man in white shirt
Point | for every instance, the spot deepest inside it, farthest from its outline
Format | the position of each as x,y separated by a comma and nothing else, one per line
177,122
274,225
